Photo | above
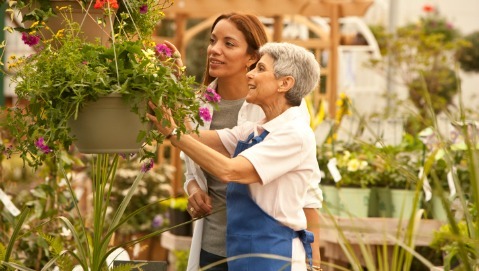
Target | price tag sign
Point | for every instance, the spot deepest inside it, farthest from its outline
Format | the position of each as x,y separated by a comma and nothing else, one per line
8,204
426,187
450,182
333,169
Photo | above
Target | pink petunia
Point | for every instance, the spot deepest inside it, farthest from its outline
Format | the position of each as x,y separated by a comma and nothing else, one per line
30,40
144,9
205,114
40,144
147,166
212,96
162,49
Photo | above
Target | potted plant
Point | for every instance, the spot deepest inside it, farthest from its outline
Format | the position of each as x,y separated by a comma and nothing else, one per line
180,219
60,82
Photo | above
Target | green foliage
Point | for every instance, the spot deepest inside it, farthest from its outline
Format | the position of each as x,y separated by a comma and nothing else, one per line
181,259
153,187
422,56
468,55
179,203
78,72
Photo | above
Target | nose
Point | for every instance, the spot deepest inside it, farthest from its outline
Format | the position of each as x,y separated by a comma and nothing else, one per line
214,49
250,74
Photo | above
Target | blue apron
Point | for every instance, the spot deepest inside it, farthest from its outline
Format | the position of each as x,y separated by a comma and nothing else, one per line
251,230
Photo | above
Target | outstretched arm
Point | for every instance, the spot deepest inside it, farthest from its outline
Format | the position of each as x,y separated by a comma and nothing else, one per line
238,169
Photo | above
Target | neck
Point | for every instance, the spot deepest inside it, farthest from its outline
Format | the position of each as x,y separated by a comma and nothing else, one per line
232,88
275,109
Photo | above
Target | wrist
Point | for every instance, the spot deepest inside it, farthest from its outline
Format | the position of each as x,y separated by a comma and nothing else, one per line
172,133
314,268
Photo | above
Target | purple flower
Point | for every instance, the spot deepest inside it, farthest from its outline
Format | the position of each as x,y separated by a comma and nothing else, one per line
40,144
30,40
144,9
157,221
212,96
205,114
162,49
147,166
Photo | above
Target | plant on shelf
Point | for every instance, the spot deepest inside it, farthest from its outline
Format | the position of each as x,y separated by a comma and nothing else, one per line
422,54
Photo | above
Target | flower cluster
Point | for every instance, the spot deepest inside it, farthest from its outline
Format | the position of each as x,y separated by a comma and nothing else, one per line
99,4
75,72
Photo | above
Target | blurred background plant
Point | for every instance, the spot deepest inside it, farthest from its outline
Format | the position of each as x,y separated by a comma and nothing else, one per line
152,188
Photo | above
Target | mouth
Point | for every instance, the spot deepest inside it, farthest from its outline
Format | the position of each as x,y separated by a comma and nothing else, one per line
216,62
251,86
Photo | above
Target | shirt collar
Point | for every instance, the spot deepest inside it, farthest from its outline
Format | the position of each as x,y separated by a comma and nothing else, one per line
276,123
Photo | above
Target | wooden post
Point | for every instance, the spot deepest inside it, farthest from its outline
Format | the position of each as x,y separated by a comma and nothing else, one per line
332,83
278,28
180,21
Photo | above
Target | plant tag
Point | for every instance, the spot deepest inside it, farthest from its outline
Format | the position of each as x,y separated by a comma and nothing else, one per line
9,204
333,169
450,182
425,186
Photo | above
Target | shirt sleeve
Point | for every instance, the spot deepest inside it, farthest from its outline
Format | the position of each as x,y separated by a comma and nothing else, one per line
230,137
276,155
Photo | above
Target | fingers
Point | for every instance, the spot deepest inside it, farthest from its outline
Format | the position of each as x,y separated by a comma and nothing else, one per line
176,54
199,204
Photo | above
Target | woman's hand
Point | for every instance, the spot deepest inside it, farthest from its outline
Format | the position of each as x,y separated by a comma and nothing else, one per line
165,130
199,203
175,54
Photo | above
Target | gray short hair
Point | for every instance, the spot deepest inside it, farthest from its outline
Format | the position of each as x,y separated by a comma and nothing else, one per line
296,61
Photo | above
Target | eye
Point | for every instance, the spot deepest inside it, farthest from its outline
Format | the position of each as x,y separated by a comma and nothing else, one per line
212,40
230,44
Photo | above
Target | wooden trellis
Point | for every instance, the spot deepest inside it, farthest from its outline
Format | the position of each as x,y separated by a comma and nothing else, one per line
280,11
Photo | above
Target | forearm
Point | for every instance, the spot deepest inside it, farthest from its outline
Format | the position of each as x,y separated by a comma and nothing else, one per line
312,216
227,169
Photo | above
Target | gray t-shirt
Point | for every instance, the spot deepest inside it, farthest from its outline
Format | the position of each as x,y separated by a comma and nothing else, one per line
214,229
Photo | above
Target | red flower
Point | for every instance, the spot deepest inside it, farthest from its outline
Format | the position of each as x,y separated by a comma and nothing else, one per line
100,3
428,8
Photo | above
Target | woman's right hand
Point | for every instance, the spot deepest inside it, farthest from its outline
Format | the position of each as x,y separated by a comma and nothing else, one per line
199,203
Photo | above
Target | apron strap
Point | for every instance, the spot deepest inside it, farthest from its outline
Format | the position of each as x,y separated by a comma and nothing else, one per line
307,238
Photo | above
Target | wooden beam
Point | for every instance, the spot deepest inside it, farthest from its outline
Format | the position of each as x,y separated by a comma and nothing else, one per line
333,60
269,8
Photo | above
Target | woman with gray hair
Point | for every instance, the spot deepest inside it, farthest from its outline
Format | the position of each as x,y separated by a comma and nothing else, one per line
267,165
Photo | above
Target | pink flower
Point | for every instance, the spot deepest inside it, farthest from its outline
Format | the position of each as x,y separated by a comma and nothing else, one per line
205,114
40,144
30,40
212,96
147,166
144,9
162,49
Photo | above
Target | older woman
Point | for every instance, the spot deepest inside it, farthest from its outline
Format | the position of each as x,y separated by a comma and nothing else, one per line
267,165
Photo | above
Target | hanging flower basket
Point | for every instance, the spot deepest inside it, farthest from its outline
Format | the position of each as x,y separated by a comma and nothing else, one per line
108,126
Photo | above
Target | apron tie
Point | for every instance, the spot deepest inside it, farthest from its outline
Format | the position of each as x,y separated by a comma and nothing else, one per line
307,238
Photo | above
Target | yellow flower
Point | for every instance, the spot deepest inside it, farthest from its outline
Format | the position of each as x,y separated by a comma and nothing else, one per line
60,34
353,165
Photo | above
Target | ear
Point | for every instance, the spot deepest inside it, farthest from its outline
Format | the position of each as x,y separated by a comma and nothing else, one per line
286,83
253,59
